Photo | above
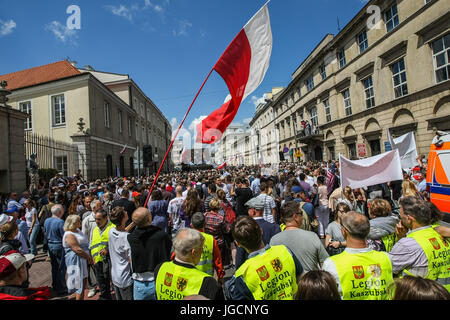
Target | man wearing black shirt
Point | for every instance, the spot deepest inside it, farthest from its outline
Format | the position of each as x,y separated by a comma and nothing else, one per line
243,193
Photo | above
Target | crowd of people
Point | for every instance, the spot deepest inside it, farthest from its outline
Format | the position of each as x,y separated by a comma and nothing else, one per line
280,232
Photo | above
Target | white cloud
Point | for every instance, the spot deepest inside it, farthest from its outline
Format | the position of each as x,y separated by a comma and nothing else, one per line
123,11
149,5
61,32
182,28
7,27
256,101
195,122
247,120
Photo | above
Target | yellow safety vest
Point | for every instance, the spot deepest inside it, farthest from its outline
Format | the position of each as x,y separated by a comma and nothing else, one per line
364,276
389,241
175,282
270,275
100,242
206,260
437,250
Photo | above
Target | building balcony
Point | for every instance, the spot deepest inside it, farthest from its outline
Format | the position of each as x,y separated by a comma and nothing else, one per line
309,135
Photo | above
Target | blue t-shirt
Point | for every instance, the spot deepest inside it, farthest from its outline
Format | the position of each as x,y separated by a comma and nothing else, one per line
54,230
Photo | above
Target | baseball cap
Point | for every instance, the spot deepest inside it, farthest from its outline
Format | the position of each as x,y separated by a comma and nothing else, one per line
256,203
4,218
11,261
296,189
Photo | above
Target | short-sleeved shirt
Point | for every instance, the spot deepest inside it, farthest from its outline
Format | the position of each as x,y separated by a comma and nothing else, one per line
305,245
269,204
54,230
334,230
120,254
174,211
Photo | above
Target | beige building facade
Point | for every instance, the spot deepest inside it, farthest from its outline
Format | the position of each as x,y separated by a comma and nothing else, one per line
153,130
105,117
376,75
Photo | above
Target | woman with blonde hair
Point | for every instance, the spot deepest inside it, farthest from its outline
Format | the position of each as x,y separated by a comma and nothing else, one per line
76,247
409,189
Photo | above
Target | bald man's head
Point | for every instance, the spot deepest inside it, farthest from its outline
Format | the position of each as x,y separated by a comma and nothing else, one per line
142,217
356,224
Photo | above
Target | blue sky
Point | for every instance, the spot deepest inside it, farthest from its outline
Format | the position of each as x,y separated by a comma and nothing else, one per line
167,46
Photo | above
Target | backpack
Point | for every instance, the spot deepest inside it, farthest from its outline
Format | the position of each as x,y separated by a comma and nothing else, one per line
308,223
230,214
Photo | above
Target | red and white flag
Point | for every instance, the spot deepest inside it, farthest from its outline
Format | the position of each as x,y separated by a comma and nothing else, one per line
222,166
243,66
123,150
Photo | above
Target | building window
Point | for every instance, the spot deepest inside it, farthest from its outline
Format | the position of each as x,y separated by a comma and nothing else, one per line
130,127
391,18
341,58
323,73
347,102
61,165
299,93
363,43
26,108
441,58
59,110
107,114
309,83
368,89
352,150
399,78
326,103
119,118
292,98
314,117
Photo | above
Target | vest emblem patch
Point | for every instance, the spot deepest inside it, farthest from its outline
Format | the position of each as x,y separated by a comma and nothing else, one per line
375,270
181,284
358,272
434,243
263,273
277,265
168,279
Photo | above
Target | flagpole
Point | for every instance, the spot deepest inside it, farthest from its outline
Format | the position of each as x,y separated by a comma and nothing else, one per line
175,136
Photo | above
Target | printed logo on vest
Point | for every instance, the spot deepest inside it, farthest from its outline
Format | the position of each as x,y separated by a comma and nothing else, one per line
375,270
434,243
263,273
358,272
181,284
277,265
168,279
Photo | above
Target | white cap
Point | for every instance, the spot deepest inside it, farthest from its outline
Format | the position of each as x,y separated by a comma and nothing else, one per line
4,218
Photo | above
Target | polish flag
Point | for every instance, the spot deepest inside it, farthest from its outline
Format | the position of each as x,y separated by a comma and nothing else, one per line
123,149
243,66
222,166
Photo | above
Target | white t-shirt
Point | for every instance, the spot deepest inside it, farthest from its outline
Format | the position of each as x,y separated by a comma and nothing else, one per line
120,255
29,216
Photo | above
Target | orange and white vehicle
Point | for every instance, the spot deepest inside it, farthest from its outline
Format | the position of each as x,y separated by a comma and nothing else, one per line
438,172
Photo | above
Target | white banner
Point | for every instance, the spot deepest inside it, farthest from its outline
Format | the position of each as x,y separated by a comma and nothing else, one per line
370,171
406,145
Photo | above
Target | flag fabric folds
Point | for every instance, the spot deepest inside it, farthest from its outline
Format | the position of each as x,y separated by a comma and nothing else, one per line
370,171
243,66
222,166
330,178
406,145
123,149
